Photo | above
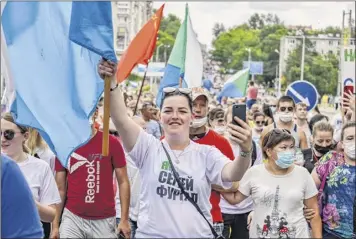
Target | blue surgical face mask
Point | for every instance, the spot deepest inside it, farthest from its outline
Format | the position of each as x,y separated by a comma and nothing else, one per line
285,159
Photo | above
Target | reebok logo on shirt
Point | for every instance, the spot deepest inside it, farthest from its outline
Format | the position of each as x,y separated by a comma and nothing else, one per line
93,170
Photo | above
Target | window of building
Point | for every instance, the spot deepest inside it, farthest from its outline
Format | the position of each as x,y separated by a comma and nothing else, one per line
291,41
331,43
352,42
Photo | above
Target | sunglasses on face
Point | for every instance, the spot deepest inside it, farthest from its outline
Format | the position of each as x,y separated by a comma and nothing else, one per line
260,122
171,90
283,109
9,134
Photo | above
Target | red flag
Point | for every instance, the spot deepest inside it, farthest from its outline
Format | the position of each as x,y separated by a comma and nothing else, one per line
141,48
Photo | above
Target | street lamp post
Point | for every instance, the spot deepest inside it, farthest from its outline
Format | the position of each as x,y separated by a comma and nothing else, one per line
249,62
302,60
157,52
279,70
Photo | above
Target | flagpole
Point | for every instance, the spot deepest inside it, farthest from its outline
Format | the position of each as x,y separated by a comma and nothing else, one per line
105,146
180,82
141,88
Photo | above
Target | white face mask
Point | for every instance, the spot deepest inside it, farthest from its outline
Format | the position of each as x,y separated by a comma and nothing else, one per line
197,123
273,109
349,149
285,117
220,129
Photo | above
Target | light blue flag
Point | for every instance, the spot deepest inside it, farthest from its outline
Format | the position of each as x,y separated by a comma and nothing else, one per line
56,83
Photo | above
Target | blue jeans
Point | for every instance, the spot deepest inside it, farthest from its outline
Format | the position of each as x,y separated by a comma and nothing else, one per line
133,225
250,102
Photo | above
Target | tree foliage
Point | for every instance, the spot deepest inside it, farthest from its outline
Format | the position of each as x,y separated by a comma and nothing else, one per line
218,28
262,34
166,36
320,70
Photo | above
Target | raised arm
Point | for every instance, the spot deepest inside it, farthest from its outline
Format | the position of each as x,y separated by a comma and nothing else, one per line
126,127
243,137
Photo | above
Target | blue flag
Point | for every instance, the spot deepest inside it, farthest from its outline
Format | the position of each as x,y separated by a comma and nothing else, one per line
54,70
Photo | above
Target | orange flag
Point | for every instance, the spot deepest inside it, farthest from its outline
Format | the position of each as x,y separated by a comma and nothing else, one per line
141,48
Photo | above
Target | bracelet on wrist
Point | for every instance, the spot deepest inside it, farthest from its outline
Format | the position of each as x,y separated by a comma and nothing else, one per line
246,154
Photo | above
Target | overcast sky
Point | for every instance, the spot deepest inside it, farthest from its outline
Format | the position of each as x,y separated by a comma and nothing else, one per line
205,14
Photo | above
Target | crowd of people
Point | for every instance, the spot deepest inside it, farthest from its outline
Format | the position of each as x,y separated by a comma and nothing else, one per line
187,168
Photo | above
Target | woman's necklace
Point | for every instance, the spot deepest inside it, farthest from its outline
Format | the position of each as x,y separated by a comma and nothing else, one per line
177,157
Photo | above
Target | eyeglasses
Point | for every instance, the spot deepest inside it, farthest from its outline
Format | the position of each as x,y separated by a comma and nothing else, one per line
9,134
260,122
283,109
171,90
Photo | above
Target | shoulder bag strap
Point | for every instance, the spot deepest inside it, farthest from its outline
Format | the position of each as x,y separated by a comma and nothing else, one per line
188,197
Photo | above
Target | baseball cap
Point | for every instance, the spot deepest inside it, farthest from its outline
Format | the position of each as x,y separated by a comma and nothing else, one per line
199,91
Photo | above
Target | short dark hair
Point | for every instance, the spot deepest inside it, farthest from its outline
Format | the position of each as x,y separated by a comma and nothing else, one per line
273,138
177,93
252,83
257,114
285,98
346,126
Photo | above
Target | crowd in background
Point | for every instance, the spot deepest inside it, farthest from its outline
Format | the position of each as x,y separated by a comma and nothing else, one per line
285,172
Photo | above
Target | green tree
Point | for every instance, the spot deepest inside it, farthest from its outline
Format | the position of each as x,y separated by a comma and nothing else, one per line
320,70
166,36
218,28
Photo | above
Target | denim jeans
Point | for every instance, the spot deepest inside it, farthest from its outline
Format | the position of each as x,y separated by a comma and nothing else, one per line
133,225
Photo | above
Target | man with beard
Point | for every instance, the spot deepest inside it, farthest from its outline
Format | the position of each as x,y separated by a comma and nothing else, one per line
285,113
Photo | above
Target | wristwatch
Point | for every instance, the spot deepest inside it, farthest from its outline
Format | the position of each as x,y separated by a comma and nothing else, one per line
245,154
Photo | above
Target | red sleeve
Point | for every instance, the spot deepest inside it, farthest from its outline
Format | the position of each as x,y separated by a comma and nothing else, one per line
58,166
225,148
117,152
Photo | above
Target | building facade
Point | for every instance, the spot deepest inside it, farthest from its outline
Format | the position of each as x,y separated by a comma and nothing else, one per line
322,44
130,17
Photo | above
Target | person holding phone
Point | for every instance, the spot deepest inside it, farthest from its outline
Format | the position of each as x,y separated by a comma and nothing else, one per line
164,210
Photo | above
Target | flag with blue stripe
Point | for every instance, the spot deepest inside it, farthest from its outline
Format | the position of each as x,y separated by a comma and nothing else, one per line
185,61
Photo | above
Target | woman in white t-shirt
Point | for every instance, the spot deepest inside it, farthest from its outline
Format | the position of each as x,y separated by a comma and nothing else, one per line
39,148
279,190
37,172
164,210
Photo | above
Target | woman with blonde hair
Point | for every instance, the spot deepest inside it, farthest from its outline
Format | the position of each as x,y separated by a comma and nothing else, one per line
38,148
37,173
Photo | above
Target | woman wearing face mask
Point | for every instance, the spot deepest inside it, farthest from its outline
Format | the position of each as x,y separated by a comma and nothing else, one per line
217,121
278,206
259,122
36,171
337,170
322,143
178,173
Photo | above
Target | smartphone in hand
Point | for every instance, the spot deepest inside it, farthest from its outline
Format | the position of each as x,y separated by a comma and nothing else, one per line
238,110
